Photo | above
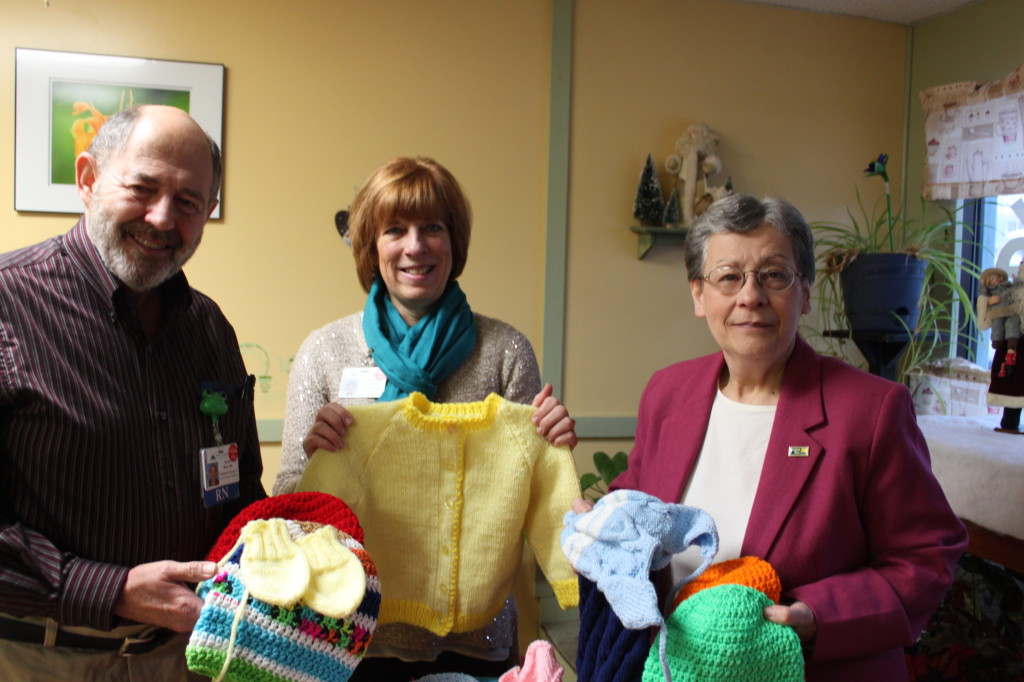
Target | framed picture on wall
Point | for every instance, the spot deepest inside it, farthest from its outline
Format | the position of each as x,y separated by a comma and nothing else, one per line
62,99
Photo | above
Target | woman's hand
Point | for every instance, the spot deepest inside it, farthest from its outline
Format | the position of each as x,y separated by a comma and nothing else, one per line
798,616
582,506
329,429
553,420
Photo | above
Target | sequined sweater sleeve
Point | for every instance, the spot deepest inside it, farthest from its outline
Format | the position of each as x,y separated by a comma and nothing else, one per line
502,362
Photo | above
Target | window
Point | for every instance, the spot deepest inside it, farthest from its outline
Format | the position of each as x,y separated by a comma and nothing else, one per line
1001,221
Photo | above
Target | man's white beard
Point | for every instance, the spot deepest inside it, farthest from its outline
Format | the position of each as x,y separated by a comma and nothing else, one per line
139,274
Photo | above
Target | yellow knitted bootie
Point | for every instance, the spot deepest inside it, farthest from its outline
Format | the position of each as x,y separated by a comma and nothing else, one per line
337,580
272,567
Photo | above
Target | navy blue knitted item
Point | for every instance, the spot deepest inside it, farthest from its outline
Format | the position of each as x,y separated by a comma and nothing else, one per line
607,651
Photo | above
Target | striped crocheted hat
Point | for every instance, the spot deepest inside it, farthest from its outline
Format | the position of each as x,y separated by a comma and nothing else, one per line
307,506
720,633
293,600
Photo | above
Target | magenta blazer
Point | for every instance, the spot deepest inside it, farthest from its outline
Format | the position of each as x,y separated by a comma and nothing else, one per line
847,509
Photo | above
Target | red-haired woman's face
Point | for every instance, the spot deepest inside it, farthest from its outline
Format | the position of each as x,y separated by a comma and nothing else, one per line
415,261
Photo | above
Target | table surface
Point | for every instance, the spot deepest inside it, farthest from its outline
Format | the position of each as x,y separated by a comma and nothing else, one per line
980,470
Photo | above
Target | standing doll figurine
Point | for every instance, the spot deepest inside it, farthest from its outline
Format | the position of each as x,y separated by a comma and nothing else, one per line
995,311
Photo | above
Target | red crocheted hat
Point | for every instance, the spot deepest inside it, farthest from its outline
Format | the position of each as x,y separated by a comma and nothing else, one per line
306,506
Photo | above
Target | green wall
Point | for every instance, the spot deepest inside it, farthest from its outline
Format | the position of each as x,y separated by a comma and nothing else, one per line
982,42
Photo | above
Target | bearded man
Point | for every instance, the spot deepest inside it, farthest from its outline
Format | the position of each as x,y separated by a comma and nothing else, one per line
106,353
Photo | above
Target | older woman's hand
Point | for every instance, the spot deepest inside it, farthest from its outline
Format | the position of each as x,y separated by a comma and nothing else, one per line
553,420
798,616
329,429
582,506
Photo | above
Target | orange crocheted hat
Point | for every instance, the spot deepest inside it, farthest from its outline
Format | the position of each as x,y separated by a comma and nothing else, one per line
748,570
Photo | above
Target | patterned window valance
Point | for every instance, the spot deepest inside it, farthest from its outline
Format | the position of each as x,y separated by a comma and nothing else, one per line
975,137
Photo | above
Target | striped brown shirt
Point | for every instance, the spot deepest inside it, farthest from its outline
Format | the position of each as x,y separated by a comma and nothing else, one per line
100,431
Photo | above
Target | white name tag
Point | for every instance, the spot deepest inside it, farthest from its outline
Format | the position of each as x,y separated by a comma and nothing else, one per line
219,474
362,382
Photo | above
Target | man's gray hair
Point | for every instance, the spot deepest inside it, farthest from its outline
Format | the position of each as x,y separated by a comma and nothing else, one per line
115,131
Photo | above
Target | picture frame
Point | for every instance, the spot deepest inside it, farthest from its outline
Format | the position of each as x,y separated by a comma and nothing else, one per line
61,99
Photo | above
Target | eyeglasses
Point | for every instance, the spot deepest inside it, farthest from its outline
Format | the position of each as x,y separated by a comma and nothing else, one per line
729,280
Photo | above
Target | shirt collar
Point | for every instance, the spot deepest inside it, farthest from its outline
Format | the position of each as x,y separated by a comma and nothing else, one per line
79,246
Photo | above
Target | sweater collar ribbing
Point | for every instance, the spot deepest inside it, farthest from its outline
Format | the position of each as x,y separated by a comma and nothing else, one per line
424,414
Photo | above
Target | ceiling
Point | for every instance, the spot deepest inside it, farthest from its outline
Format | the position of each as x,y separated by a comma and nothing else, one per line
895,11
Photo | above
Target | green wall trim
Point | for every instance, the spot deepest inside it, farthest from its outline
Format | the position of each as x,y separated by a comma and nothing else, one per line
606,427
586,427
269,430
556,234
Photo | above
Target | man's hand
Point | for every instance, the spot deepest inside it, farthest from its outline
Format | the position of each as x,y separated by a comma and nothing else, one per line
158,594
553,420
329,429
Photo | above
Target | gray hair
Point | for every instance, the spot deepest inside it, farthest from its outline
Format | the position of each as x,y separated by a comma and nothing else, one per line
115,131
740,213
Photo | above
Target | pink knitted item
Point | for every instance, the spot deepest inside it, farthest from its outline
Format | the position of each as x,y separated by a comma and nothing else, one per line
539,665
309,506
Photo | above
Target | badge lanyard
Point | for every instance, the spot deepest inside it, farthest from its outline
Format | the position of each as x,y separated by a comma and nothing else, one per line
218,473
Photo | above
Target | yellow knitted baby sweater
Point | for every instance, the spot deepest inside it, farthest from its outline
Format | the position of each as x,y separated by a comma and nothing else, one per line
444,493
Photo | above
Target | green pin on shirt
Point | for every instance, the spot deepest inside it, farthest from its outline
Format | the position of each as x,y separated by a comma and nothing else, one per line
214,405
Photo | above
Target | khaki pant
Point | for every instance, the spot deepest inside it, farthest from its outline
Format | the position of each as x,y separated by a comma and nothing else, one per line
30,662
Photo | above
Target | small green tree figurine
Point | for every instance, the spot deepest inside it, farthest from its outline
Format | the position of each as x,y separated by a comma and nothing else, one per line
648,206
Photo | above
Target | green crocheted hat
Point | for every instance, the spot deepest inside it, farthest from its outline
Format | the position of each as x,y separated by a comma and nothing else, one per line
720,633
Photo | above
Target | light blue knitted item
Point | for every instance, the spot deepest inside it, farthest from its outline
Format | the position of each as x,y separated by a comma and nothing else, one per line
627,535
623,538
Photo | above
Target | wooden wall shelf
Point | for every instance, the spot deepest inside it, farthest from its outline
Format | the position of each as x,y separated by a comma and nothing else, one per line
648,237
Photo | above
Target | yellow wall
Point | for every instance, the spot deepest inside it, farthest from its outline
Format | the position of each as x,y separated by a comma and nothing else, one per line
318,94
946,50
800,101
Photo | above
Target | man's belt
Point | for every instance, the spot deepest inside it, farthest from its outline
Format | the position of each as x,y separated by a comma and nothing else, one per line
144,642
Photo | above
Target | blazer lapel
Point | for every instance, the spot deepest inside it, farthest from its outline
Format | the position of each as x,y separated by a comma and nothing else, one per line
792,454
697,410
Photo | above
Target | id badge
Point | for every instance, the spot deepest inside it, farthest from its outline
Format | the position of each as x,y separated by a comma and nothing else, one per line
219,474
362,382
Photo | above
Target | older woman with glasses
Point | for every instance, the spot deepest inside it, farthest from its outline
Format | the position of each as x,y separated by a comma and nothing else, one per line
802,460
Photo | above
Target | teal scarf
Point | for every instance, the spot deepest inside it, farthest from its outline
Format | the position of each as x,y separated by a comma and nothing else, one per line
420,357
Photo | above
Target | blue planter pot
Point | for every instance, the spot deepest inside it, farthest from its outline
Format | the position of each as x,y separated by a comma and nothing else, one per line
881,292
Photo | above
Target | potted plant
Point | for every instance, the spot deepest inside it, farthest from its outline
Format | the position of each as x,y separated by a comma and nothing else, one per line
891,283
595,485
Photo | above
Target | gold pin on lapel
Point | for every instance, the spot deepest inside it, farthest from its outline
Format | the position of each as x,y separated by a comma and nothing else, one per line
799,451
